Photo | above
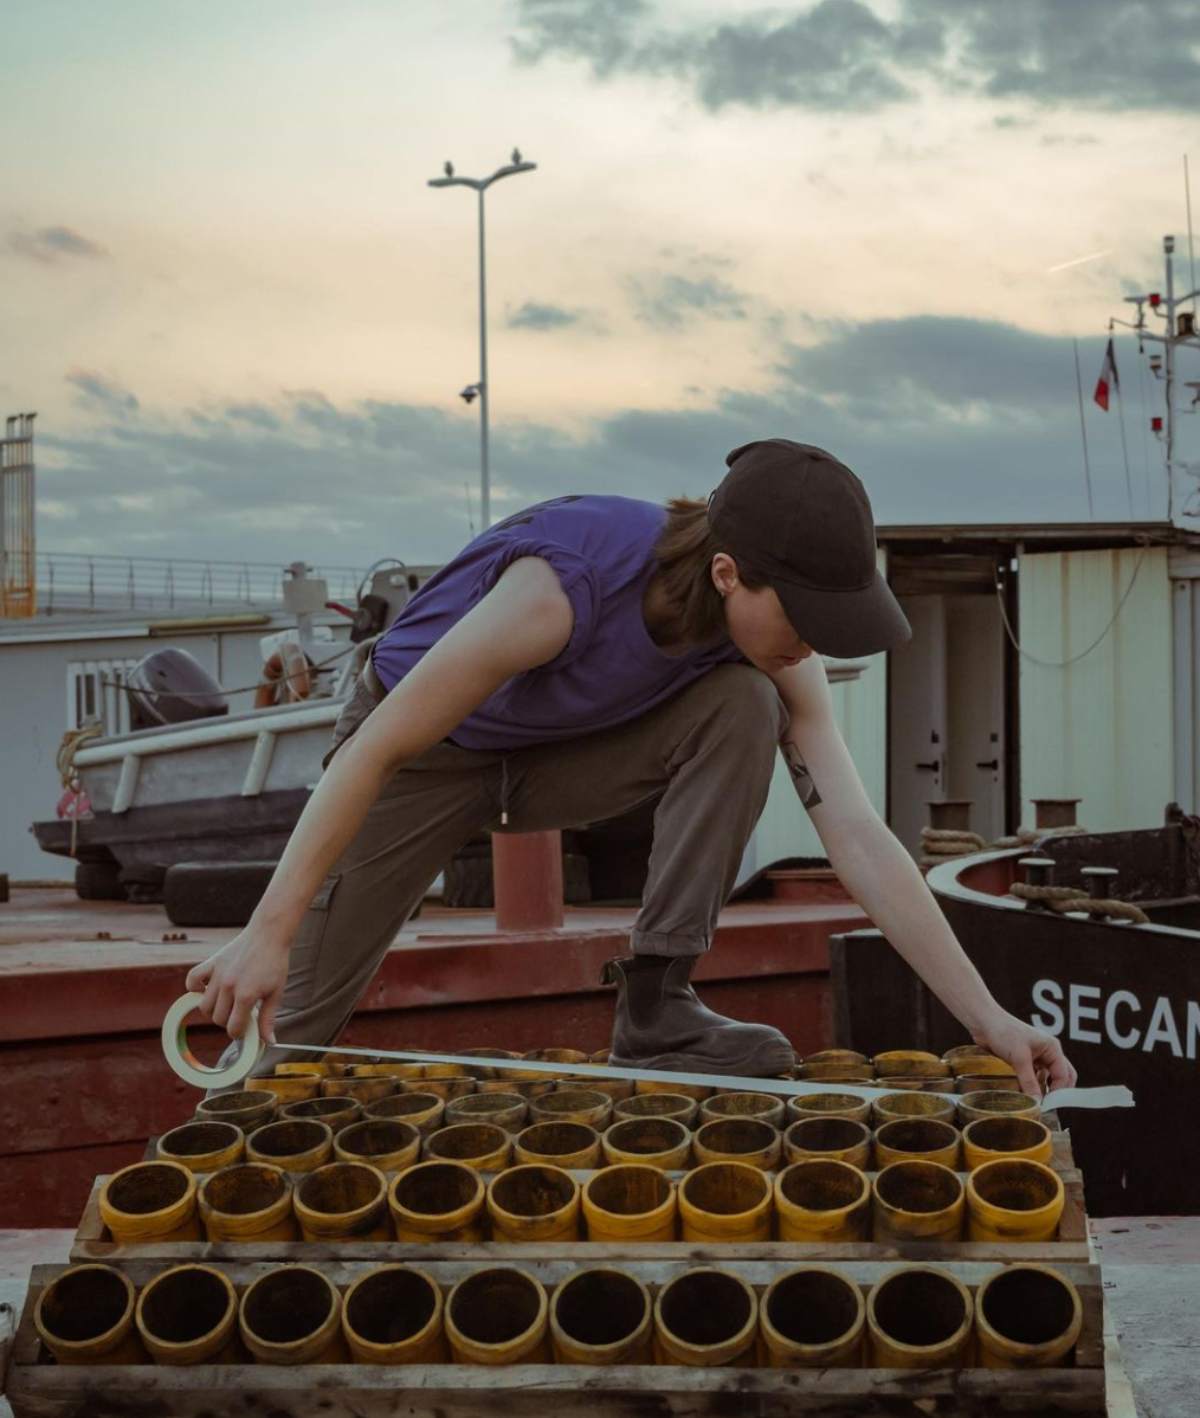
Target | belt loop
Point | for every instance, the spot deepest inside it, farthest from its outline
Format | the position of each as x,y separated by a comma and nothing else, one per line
504,791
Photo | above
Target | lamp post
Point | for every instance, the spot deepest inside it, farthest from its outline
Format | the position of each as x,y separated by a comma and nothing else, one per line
481,185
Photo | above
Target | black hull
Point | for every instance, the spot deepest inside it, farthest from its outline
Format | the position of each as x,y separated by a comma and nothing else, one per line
225,829
1124,1000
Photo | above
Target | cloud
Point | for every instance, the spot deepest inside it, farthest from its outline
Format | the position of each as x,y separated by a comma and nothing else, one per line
1068,140
936,364
102,393
846,55
50,243
257,415
1096,54
598,30
947,421
837,54
669,301
535,316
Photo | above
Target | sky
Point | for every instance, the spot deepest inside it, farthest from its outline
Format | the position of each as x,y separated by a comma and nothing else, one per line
243,317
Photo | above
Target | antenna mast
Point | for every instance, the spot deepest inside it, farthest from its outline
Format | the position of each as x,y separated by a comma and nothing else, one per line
1180,330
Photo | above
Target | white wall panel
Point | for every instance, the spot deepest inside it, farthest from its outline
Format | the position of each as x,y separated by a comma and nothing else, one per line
785,829
1098,729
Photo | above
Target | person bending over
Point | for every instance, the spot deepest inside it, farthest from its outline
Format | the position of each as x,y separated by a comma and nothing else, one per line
582,658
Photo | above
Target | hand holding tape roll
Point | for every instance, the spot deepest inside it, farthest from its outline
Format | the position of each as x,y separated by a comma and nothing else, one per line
191,1070
189,1067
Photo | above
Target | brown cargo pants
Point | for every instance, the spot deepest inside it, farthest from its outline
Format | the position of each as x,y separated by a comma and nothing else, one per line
707,754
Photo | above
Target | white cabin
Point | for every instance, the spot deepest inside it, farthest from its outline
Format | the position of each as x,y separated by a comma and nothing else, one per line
1099,702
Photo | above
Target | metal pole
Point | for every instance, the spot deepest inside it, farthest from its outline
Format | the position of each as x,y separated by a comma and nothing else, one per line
1087,471
1168,250
481,390
485,491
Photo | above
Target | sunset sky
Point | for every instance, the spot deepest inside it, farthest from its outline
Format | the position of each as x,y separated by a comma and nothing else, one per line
244,319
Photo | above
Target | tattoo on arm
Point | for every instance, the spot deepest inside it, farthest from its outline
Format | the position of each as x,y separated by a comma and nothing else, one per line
801,777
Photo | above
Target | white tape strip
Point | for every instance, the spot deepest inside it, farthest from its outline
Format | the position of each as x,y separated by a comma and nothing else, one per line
1114,1095
188,1066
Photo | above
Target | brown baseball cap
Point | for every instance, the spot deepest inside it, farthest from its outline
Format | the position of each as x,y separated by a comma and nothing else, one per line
802,521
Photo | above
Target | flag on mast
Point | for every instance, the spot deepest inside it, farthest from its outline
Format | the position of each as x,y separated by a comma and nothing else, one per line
1108,376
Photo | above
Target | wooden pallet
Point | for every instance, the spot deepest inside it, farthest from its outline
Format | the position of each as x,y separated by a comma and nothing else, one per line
94,1242
40,1389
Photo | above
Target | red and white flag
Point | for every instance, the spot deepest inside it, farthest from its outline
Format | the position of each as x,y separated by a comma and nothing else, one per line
1108,376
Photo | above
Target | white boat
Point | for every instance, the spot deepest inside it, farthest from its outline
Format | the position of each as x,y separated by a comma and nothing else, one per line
224,788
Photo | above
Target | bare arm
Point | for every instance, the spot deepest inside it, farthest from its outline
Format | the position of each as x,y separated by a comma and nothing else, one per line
883,879
524,621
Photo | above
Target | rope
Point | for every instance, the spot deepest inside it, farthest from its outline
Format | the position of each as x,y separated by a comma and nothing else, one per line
1064,899
1046,893
947,836
242,689
1062,664
1027,836
943,844
64,761
72,740
940,844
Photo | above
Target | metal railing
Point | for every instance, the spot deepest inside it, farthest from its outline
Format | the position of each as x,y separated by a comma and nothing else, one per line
75,581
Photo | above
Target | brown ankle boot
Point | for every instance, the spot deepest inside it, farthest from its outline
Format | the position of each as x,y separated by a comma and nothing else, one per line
660,1023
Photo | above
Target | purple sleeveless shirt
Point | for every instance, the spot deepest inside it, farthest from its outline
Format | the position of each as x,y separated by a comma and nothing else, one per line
610,671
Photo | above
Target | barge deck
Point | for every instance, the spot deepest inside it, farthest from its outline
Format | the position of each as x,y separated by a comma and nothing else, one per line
84,987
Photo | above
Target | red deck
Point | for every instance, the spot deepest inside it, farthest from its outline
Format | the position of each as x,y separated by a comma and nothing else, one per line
84,986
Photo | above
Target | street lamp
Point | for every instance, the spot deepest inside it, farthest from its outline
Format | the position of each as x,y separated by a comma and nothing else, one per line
480,390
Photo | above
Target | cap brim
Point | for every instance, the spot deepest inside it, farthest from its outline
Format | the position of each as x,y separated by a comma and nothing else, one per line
845,623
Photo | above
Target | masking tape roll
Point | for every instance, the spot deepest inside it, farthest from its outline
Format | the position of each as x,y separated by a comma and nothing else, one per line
188,1066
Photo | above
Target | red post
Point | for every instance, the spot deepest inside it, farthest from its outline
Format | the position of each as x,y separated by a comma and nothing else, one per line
527,875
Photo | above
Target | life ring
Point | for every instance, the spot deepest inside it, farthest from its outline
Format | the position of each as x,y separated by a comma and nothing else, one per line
287,677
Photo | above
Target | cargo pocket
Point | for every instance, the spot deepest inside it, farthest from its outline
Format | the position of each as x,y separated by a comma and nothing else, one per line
324,894
304,970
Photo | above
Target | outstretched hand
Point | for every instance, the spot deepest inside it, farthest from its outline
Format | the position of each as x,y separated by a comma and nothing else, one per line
1037,1058
249,971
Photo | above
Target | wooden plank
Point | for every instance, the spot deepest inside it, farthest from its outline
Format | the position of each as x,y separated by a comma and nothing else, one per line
114,1253
39,1390
1089,1352
26,1345
91,1227
530,1391
1073,1228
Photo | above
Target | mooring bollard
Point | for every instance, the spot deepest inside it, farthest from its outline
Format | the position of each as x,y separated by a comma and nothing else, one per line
528,880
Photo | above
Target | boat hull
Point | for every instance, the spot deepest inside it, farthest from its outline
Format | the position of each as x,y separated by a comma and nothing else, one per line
247,755
1123,999
211,829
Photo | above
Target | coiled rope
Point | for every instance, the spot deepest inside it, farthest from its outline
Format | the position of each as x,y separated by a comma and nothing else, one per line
64,761
1064,899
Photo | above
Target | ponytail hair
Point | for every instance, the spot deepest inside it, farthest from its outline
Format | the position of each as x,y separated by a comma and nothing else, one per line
685,550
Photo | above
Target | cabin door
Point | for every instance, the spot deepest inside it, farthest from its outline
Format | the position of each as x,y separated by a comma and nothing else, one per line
947,696
975,659
917,685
